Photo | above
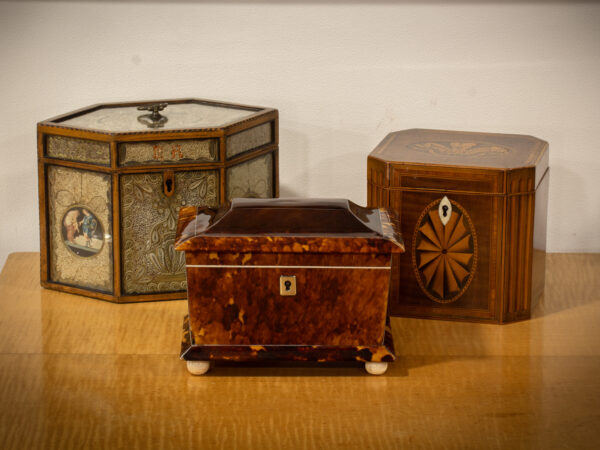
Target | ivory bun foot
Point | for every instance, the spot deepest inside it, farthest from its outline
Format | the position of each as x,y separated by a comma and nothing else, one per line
376,368
198,367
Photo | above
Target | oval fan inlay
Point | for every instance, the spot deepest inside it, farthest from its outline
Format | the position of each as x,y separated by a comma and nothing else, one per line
444,256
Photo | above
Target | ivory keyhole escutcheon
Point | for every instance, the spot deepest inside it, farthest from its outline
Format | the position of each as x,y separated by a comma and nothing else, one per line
445,210
287,285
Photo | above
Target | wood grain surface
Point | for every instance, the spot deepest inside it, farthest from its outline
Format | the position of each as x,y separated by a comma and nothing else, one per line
82,373
498,184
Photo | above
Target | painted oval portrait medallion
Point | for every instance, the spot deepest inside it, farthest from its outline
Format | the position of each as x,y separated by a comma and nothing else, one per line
82,232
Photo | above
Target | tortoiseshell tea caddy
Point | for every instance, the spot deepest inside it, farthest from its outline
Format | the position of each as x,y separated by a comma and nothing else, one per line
288,279
472,208
113,176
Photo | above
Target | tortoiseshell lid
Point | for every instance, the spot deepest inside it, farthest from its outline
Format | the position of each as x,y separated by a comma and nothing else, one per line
289,225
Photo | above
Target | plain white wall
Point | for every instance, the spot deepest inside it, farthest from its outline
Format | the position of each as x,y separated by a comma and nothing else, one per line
342,74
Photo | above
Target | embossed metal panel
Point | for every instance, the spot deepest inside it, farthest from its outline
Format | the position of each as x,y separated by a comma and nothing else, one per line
82,150
249,139
80,224
164,152
148,219
252,179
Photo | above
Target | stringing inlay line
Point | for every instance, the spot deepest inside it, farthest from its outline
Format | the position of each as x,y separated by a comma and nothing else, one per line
225,266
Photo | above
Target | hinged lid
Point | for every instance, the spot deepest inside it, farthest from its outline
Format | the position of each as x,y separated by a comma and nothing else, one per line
458,149
292,225
153,116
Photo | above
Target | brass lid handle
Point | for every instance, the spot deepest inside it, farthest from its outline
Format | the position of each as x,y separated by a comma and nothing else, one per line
155,119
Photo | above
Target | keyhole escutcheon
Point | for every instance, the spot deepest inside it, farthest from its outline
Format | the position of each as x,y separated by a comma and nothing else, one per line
445,210
168,183
287,285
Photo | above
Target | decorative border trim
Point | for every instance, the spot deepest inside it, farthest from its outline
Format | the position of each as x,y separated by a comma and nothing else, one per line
237,266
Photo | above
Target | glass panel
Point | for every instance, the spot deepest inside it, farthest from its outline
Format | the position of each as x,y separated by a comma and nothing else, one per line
253,178
249,139
180,116
160,152
74,149
148,220
80,224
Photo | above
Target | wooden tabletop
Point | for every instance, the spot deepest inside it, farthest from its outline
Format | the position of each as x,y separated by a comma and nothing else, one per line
82,373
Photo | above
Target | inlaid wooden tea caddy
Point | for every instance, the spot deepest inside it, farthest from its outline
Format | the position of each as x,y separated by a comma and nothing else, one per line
472,208
113,176
288,279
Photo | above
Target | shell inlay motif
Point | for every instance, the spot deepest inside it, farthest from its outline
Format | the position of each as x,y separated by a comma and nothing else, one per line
472,149
444,257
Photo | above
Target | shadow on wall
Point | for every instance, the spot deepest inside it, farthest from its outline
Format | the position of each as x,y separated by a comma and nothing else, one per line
287,191
572,188
307,167
293,163
22,222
